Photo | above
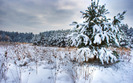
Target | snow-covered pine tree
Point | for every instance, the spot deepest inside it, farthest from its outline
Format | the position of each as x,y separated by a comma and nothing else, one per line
96,33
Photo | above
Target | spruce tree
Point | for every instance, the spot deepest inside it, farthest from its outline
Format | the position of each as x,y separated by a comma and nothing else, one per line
96,33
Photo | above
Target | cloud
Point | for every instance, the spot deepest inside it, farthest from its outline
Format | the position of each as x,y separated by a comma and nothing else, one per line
118,6
34,13
40,15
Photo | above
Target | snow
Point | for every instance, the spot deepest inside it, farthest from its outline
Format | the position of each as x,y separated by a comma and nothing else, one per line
54,64
96,28
97,39
77,39
123,74
84,54
64,77
106,56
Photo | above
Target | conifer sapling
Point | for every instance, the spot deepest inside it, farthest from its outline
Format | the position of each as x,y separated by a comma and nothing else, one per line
96,33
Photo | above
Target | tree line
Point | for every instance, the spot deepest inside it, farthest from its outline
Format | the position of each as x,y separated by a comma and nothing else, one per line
6,36
55,37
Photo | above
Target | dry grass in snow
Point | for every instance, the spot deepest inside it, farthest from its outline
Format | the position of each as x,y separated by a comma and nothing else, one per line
24,63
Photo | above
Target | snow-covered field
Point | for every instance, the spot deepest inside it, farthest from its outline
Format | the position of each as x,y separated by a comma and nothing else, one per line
24,63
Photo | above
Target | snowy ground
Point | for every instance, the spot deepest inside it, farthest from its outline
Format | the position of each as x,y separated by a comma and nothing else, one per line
24,63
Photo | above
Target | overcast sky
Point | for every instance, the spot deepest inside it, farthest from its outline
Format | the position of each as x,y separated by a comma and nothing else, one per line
43,15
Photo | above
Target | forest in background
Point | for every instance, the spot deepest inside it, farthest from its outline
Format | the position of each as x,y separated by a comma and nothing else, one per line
54,37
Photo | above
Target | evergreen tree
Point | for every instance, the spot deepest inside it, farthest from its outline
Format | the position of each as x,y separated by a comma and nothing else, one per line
96,33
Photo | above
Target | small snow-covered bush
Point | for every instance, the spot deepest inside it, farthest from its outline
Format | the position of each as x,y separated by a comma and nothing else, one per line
96,33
